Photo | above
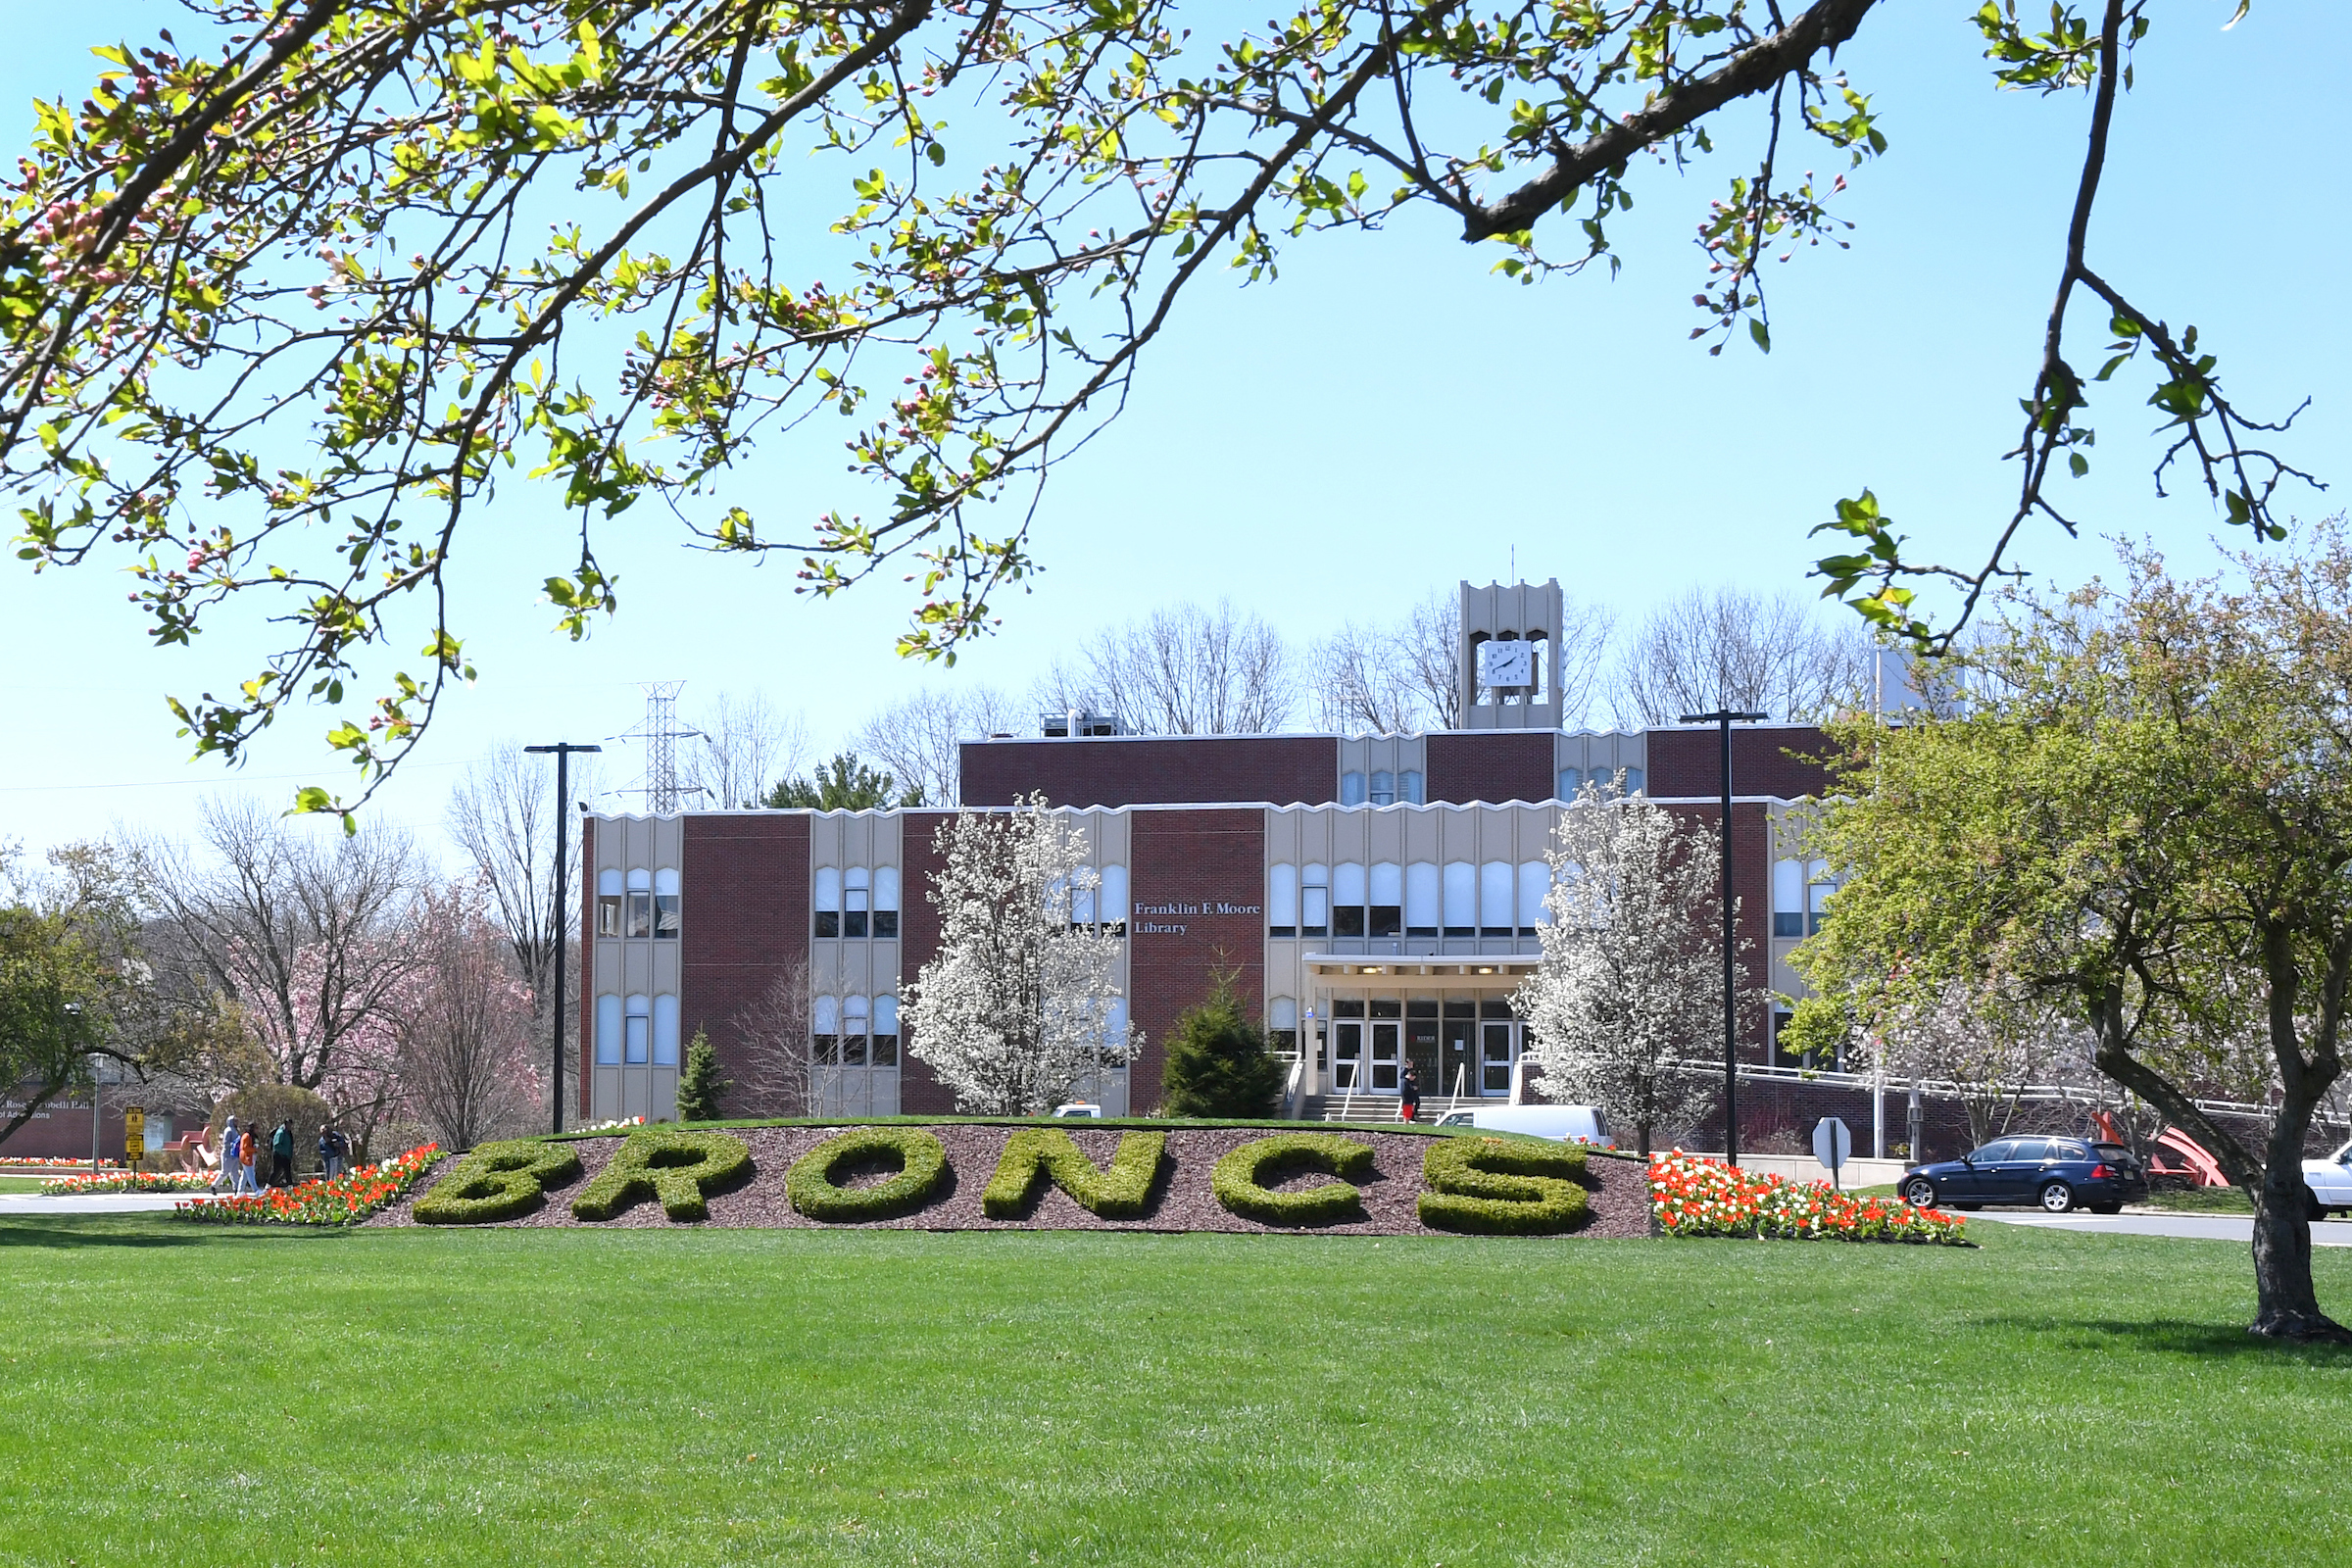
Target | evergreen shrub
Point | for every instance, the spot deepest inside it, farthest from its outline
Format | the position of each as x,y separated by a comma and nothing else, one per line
1217,1062
498,1181
675,1168
1502,1187
922,1162
700,1085
1035,1155
1241,1180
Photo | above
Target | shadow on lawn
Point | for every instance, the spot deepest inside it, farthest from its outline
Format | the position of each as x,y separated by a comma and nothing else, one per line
127,1230
2204,1341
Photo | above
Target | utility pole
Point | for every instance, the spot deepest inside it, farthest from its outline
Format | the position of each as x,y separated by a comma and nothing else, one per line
562,921
1723,718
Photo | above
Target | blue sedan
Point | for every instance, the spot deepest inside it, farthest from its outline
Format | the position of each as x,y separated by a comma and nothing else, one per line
2058,1174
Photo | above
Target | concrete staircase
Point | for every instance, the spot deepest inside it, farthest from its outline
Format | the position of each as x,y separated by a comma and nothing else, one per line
1378,1108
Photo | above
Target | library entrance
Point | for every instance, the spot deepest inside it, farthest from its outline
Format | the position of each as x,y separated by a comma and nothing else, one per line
1453,1023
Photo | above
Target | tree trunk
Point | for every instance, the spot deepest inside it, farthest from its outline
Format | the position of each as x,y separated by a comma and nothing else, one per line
2286,1306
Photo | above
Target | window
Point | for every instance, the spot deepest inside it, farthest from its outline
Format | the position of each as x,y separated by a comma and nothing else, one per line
638,1031
1352,789
886,901
828,902
639,921
1281,1023
608,904
854,1021
1384,789
1497,906
1633,781
824,1024
1788,898
666,1031
857,889
1348,900
1408,787
1281,902
1114,898
1084,883
1461,899
1314,901
1819,886
608,1031
885,1052
1570,782
1534,881
666,904
1421,898
1388,900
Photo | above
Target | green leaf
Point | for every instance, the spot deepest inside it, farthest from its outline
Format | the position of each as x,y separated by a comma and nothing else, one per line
1760,333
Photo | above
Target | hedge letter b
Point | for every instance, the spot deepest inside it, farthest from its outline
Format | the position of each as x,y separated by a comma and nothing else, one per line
504,1180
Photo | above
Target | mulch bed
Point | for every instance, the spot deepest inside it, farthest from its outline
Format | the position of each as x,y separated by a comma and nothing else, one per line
1183,1202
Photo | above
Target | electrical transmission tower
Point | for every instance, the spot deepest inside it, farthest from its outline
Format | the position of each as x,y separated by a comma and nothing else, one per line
661,733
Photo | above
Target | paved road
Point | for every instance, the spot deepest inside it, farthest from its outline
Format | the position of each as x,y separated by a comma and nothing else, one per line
93,1204
2186,1227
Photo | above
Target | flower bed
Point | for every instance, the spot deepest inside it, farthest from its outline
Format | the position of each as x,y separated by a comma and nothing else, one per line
1693,1197
36,1164
317,1201
125,1181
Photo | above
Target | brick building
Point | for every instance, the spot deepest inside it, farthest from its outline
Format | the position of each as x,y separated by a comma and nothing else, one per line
1377,895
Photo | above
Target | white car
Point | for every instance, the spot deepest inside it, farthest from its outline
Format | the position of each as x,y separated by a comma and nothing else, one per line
1570,1124
1079,1107
2331,1181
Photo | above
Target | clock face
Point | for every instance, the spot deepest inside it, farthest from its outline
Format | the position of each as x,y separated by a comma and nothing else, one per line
1510,664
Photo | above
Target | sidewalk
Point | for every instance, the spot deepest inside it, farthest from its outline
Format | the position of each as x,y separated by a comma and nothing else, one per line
2239,1228
91,1203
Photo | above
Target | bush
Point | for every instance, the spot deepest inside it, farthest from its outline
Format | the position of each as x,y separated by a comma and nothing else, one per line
262,1107
498,1181
1502,1187
1034,1154
1241,1179
1218,1063
923,1162
700,1085
676,1169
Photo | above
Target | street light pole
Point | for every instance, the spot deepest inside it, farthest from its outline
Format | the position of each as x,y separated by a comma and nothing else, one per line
1723,718
562,923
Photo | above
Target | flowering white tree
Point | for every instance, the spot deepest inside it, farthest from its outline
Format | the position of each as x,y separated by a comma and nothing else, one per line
1632,979
1016,1005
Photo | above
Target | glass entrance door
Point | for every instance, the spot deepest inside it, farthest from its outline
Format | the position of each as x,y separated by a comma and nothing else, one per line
1387,1049
1348,1059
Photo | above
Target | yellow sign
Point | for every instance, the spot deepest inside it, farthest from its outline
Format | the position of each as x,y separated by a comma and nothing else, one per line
134,1133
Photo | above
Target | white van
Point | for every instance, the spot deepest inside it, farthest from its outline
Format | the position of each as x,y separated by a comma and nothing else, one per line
1584,1124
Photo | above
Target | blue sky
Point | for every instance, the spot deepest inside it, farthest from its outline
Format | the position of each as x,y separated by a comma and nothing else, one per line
1391,416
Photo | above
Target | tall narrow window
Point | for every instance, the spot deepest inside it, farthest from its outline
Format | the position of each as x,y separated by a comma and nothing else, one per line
852,1031
1497,906
608,1031
640,921
1461,899
639,1030
665,903
1421,898
1348,898
824,1027
1408,786
1314,901
829,900
885,1048
1788,898
886,901
1282,900
666,1031
1114,900
1817,893
1281,1022
857,887
1085,883
1387,914
608,904
1534,881
1384,789
1633,781
1571,781
1352,789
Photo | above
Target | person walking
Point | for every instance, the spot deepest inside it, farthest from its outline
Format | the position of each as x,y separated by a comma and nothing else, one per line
1408,1093
245,1151
328,1165
225,1169
281,1154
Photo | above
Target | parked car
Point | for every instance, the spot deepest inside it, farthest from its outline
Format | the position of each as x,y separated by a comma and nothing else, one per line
2057,1174
1080,1108
2330,1183
1570,1124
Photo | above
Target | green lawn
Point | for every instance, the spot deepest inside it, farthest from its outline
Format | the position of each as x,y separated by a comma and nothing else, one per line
26,1184
786,1397
2203,1200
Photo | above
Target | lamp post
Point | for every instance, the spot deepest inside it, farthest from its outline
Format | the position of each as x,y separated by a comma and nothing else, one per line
1723,718
562,922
